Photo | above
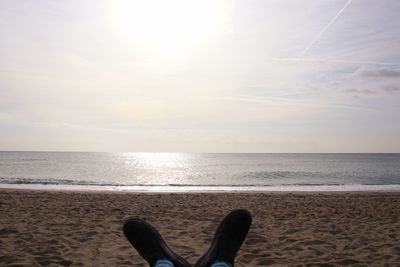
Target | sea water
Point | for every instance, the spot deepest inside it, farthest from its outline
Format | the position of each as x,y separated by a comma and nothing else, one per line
200,172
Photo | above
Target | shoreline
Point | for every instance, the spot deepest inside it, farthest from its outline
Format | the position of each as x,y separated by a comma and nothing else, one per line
215,192
79,228
205,189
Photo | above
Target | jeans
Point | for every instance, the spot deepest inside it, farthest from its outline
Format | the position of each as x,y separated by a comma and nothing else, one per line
167,263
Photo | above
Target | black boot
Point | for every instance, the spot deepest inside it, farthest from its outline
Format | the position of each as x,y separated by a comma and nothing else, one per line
149,243
228,239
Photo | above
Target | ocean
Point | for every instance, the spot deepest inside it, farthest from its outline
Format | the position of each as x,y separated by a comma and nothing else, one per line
177,172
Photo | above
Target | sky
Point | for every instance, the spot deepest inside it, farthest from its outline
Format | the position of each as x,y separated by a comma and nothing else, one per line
200,76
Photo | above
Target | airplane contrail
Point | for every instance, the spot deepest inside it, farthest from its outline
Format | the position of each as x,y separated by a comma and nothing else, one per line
325,28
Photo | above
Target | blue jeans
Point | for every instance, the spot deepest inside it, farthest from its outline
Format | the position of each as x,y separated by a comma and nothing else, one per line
167,263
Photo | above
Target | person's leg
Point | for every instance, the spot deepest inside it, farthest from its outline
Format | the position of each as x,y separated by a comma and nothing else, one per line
150,245
228,239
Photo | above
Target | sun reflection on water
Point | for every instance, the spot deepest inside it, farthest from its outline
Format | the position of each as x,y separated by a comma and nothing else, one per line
162,160
158,168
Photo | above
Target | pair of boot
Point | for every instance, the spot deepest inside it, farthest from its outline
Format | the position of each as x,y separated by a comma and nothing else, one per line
228,239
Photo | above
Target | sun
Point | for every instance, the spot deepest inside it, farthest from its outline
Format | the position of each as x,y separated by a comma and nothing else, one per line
170,29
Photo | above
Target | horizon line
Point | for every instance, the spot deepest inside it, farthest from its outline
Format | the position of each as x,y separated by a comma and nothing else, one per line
181,152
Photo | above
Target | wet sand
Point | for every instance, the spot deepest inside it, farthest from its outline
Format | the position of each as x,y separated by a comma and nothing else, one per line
39,228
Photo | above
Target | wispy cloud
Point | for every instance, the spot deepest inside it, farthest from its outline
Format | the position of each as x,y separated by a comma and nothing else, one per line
337,60
374,72
392,88
361,91
370,81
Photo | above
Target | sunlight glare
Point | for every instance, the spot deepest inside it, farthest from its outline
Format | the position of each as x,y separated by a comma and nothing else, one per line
170,30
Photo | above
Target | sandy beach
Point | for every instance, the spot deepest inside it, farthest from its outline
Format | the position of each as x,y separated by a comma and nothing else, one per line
52,228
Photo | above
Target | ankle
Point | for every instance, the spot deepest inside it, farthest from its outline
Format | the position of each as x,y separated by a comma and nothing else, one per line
221,264
164,263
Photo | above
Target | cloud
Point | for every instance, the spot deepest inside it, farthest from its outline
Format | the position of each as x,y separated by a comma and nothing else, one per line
388,88
375,72
360,91
373,81
392,88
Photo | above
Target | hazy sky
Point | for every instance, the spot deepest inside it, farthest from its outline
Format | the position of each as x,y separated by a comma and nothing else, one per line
206,76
